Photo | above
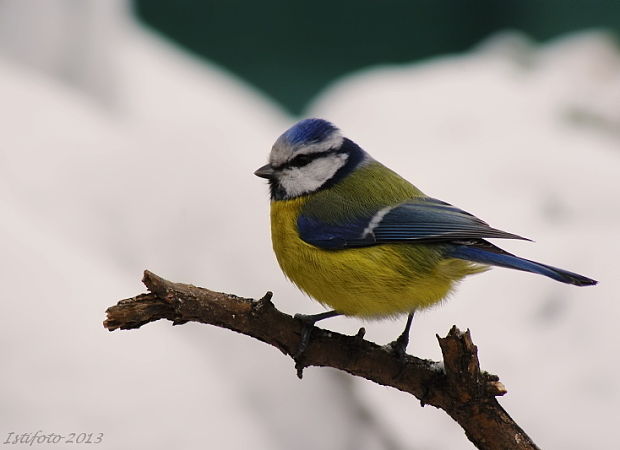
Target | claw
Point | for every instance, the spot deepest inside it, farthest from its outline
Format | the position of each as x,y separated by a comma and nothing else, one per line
308,322
399,346
306,331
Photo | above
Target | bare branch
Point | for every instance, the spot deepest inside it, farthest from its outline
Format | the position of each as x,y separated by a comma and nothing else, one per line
457,385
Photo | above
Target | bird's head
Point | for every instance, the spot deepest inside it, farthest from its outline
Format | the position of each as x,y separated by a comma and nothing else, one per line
309,156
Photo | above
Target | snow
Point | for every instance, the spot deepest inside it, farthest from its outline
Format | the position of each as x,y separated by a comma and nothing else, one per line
144,159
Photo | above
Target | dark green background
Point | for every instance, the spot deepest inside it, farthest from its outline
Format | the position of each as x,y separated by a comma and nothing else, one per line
292,49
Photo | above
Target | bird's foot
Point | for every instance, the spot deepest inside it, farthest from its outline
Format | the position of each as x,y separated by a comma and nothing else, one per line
399,346
307,324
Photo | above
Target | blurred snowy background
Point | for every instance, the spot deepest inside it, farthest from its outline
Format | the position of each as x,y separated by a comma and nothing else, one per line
119,152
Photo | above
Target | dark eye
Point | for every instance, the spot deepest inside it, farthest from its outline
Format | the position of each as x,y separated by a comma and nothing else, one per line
301,160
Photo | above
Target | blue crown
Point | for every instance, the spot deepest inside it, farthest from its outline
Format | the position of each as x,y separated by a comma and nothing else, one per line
309,131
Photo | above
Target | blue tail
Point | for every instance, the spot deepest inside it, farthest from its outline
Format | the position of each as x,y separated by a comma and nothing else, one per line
494,256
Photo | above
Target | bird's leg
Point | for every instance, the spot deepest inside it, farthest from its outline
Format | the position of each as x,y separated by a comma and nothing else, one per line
399,346
308,322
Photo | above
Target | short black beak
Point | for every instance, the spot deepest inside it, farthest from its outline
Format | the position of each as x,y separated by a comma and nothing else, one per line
265,172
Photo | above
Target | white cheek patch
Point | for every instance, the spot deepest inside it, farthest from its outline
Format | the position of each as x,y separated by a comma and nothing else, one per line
303,180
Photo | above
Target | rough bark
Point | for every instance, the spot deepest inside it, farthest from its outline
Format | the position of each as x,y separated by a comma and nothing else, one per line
456,385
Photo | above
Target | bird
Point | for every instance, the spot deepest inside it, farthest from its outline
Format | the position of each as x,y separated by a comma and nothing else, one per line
358,238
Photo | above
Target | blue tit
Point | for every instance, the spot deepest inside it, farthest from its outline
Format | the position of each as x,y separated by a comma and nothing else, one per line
360,239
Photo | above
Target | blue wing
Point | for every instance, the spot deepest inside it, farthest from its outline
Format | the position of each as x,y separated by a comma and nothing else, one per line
415,221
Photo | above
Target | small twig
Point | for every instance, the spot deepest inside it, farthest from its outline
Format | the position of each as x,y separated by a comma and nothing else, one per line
457,385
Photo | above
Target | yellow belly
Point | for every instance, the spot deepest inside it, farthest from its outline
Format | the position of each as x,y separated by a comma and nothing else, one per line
377,281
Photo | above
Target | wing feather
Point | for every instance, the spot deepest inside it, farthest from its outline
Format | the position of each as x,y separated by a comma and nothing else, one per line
415,221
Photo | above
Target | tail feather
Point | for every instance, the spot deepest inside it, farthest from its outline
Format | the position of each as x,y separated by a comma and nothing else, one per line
495,256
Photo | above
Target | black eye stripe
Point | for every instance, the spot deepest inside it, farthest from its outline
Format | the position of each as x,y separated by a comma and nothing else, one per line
305,159
301,160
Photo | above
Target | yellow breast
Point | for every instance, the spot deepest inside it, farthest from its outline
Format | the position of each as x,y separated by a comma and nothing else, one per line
376,281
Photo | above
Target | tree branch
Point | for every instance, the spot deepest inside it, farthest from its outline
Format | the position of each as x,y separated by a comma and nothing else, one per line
457,385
